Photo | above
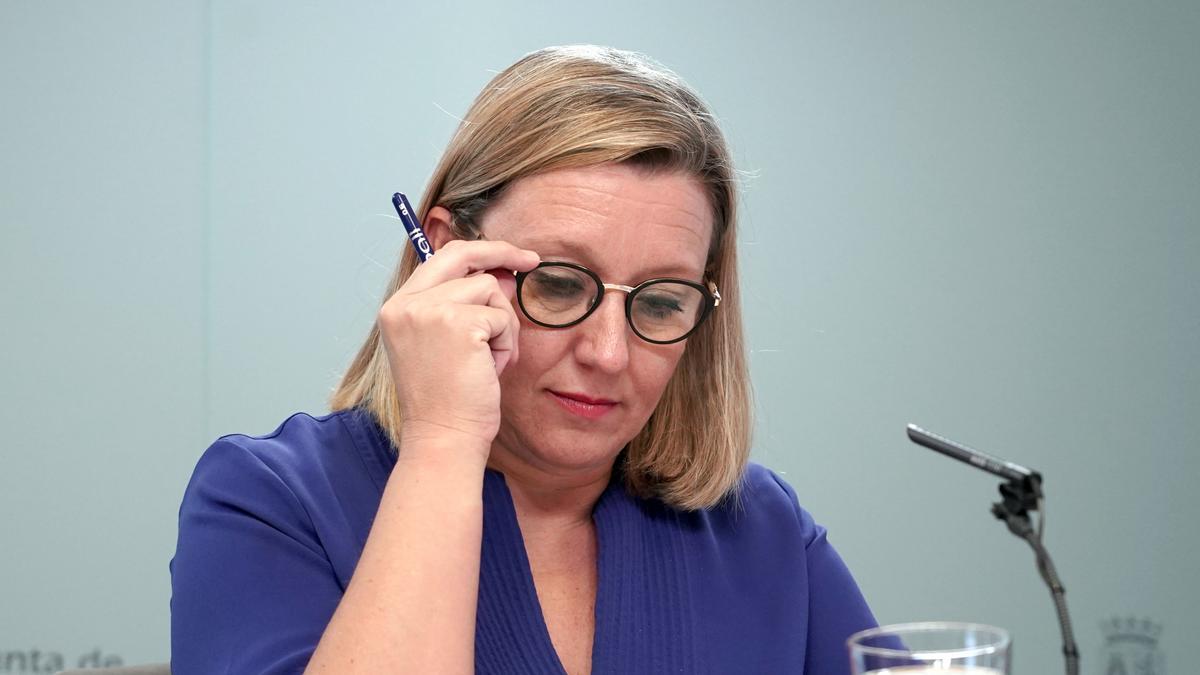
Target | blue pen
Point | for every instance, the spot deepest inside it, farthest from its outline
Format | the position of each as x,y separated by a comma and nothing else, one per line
415,234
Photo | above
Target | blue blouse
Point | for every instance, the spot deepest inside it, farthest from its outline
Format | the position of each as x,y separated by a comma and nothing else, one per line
271,528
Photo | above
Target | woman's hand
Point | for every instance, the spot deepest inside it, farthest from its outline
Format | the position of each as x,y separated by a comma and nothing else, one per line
449,332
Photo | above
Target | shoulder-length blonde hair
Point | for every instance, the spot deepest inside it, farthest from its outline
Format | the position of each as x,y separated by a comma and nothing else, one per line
580,106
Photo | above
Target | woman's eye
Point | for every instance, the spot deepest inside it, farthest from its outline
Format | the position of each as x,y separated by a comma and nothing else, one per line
557,286
658,305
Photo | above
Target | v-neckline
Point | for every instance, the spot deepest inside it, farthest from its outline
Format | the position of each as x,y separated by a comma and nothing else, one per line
642,616
502,530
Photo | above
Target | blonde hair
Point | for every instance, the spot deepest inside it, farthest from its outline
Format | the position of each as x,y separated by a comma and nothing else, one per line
581,106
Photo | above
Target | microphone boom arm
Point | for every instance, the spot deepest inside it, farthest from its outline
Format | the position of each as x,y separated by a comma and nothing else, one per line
1020,494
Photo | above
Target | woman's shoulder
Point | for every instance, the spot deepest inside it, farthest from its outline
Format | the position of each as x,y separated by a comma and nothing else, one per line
761,558
296,436
763,504
306,458
285,515
303,444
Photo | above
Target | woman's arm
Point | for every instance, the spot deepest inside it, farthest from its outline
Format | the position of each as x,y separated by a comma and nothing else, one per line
410,607
449,331
268,553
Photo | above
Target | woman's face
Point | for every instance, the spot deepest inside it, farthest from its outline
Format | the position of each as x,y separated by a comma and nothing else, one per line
577,395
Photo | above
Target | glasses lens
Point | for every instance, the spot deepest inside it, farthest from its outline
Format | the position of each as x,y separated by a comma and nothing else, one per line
557,296
666,310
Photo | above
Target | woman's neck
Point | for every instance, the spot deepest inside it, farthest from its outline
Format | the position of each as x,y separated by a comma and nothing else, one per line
551,504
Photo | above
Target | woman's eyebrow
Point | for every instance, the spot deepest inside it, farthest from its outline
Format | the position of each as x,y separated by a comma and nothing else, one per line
559,246
582,255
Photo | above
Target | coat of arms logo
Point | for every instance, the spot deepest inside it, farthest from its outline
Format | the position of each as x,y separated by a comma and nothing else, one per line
1131,647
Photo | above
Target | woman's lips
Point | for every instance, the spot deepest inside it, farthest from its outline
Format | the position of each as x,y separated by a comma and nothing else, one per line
584,406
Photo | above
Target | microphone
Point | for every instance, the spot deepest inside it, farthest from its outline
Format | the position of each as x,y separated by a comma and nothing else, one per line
977,459
1021,494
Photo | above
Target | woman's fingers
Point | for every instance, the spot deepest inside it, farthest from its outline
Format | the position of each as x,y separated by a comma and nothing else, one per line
458,259
480,289
507,283
449,332
503,330
494,291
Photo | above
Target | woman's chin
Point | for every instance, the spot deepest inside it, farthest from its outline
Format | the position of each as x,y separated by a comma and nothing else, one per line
568,457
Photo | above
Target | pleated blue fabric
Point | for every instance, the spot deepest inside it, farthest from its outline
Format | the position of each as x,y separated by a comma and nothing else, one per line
271,528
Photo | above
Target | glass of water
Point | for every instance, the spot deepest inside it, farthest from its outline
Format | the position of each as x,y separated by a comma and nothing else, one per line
936,648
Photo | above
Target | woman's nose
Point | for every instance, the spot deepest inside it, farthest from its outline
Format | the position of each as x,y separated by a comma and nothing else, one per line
604,343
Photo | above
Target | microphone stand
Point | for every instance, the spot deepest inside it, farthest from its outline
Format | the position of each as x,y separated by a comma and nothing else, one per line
1020,493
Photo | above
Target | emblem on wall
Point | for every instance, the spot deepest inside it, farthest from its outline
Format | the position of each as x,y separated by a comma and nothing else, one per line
1131,648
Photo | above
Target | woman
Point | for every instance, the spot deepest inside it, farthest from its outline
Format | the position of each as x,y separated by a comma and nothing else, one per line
537,461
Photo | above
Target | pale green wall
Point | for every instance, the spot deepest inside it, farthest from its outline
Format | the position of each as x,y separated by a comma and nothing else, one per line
102,317
980,217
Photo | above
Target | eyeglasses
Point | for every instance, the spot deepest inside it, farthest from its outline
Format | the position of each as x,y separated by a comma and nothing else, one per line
662,311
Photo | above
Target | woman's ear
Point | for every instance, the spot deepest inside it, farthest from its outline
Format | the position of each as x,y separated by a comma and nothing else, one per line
437,227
